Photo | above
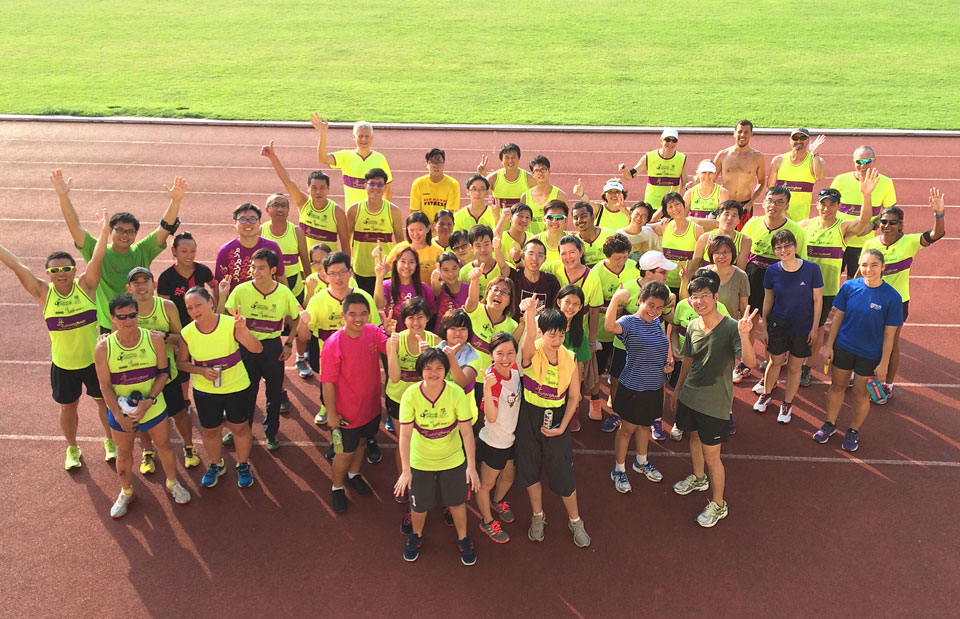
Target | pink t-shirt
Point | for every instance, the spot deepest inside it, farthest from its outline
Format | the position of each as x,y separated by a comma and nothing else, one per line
407,292
352,365
237,261
445,302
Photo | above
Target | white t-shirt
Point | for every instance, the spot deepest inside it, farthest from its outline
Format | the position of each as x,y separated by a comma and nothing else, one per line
647,240
500,435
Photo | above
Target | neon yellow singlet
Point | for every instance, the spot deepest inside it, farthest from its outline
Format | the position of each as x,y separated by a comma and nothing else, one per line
593,250
464,220
408,365
219,347
552,392
761,252
825,248
898,258
611,220
265,313
368,229
325,313
318,224
484,330
507,243
72,323
663,176
593,296
678,248
135,369
509,193
290,248
608,283
737,242
485,278
553,253
435,444
354,169
702,207
157,320
799,179
536,220
883,196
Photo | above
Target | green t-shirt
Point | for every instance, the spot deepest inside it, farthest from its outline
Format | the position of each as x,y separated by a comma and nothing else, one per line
708,388
116,266
582,353
435,444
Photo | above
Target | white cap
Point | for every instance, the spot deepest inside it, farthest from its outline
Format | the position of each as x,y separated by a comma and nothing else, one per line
613,184
706,166
670,133
654,260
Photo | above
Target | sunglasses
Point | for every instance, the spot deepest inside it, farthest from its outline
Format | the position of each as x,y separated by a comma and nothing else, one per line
63,269
829,193
122,317
799,138
554,217
888,222
671,140
866,161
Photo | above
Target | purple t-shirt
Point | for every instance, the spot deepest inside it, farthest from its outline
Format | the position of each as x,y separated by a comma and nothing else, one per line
237,261
445,302
407,292
793,294
353,367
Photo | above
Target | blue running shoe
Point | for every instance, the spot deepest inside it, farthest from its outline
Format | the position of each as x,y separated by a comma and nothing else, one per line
825,432
611,423
244,475
412,550
851,440
468,554
213,474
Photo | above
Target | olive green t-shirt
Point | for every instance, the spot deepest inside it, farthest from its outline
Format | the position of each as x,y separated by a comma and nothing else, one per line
708,388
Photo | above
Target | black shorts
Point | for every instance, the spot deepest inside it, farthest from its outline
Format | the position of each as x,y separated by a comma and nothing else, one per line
711,430
67,385
825,309
780,340
173,394
641,408
393,409
211,407
367,284
843,359
494,457
851,261
755,274
452,484
617,362
906,310
603,358
537,454
353,436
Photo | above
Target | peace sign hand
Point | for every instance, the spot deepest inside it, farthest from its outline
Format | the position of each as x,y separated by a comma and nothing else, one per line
482,168
745,324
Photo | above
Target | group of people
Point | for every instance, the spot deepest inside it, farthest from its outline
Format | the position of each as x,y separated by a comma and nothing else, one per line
483,327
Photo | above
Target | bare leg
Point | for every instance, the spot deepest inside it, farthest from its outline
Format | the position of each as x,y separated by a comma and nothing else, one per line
696,454
242,439
642,437
488,480
344,463
793,378
69,420
102,413
861,402
894,358
772,374
535,492
124,441
621,441
570,503
160,434
839,380
505,481
711,454
459,513
184,427
212,443
420,518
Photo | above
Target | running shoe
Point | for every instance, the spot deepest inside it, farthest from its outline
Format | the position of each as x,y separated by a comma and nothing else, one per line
758,388
227,439
244,475
447,516
273,443
596,410
359,484
733,425
786,413
887,389
656,430
763,366
877,393
412,550
805,378
119,509
762,402
611,423
180,494
406,523
285,404
712,514
339,501
494,531
575,423
535,532
73,458
824,433
851,440
213,475
468,554
676,434
620,481
388,424
648,470
740,372
147,463
580,537
690,483
109,450
373,451
304,368
190,457
321,418
503,510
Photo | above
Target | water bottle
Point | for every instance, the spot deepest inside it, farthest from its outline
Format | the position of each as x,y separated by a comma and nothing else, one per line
218,381
548,419
337,437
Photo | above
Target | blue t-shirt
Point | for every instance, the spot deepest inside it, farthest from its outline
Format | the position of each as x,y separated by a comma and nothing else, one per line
867,311
793,294
647,347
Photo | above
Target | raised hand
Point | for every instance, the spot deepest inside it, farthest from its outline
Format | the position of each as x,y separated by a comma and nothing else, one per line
320,124
381,269
515,254
868,181
497,244
62,187
817,143
103,221
421,344
482,167
475,274
179,187
578,188
267,151
311,285
377,253
451,351
490,379
239,321
936,201
527,304
622,169
393,342
745,324
224,284
620,297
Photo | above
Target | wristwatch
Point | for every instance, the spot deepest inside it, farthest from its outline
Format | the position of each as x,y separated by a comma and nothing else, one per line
171,228
150,397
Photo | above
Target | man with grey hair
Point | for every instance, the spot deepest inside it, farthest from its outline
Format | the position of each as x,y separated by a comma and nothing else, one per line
354,163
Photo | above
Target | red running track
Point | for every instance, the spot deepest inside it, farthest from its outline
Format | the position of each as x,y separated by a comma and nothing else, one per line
811,528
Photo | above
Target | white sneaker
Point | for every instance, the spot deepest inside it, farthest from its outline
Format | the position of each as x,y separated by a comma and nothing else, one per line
676,433
762,402
758,388
620,481
119,509
181,496
712,514
786,411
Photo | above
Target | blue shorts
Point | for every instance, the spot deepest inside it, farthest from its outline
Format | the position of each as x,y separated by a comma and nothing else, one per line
143,427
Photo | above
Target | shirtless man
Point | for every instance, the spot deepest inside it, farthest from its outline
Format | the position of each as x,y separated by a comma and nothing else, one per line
742,169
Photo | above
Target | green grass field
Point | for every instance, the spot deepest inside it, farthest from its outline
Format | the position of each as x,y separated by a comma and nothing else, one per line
823,63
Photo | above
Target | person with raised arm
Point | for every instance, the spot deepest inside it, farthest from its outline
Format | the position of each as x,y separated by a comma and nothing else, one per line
372,222
356,163
516,234
798,170
664,168
611,212
70,314
509,182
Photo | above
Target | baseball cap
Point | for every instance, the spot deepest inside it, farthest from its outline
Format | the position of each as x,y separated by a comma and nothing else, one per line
138,271
706,166
613,184
654,260
670,133
801,130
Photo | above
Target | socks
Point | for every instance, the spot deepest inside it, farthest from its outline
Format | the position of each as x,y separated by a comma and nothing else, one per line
171,482
352,475
335,488
300,357
575,520
620,468
641,459
127,491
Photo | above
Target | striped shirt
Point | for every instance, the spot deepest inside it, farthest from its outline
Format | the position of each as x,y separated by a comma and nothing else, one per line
647,347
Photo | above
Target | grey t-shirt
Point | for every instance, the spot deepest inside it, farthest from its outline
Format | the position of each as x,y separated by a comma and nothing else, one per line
736,288
708,388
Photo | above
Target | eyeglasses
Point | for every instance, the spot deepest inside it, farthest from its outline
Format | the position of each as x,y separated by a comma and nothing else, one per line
782,248
539,170
888,222
435,164
554,217
376,184
122,317
799,138
476,188
701,297
248,220
460,247
866,161
342,273
63,269
670,140
125,231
